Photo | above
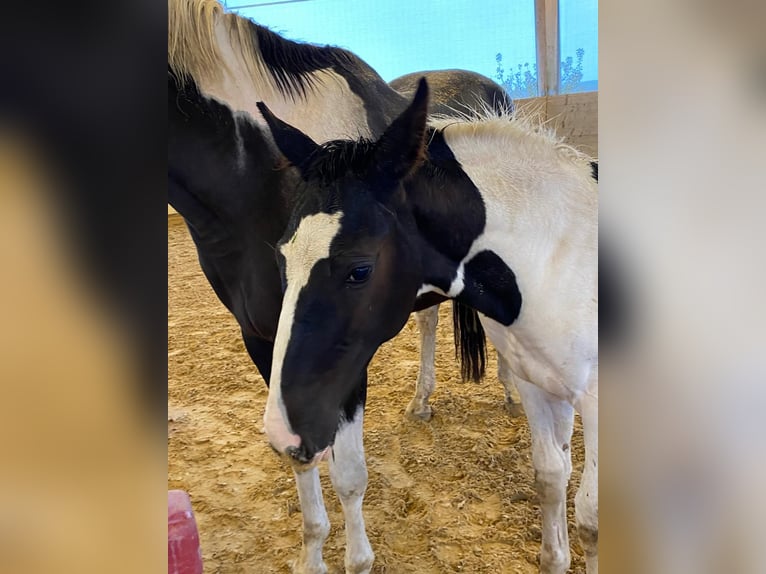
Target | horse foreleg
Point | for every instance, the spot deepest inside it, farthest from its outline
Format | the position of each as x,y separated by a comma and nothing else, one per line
348,473
316,525
419,409
586,499
550,422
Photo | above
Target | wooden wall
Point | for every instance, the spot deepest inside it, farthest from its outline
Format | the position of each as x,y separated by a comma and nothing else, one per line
574,116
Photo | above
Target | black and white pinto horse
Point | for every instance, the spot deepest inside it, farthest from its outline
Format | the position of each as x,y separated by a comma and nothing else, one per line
491,212
221,179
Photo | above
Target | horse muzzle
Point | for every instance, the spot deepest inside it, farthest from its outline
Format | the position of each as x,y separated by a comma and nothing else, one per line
298,456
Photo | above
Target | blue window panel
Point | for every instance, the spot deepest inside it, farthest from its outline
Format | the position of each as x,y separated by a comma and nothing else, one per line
578,45
398,37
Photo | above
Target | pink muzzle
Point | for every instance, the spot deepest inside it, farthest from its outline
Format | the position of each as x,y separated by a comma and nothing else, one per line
282,439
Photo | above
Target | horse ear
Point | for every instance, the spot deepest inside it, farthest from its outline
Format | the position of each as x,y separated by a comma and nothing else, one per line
296,146
402,148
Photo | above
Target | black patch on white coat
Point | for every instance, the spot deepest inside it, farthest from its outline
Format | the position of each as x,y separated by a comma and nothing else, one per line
491,288
443,190
450,214
437,192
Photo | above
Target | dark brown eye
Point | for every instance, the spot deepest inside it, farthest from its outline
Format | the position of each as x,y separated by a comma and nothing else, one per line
359,274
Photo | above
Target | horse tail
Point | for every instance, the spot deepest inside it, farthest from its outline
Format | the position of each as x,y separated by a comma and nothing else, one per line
470,342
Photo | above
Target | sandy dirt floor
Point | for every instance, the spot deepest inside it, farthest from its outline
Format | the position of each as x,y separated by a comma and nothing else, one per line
451,495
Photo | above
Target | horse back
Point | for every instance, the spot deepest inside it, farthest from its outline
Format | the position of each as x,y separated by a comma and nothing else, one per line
456,90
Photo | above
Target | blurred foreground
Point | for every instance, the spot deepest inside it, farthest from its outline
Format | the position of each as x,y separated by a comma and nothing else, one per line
682,117
82,392
80,460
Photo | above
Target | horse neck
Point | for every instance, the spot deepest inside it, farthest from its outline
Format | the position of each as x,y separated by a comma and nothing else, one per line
539,207
225,160
334,105
223,181
530,183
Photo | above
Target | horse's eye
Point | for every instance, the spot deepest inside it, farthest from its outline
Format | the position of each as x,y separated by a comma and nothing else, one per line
359,274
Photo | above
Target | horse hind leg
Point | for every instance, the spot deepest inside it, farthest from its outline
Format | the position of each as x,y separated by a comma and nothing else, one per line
550,421
316,525
348,473
586,499
506,377
419,409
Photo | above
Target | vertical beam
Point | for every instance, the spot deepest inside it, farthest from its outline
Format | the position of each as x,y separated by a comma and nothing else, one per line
547,38
540,33
552,52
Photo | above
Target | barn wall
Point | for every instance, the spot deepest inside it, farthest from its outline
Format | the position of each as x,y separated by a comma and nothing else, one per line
574,116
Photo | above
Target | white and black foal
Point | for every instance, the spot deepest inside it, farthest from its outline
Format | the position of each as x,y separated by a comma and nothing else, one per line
492,213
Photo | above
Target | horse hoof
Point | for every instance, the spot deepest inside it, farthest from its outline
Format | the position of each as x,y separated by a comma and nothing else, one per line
419,414
316,569
362,566
302,567
514,410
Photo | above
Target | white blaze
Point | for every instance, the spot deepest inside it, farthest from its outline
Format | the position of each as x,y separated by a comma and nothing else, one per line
309,245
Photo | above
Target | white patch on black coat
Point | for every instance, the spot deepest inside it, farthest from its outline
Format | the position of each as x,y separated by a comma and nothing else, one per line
309,245
239,141
240,89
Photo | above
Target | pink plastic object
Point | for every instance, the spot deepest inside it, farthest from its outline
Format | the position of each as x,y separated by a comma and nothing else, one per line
184,554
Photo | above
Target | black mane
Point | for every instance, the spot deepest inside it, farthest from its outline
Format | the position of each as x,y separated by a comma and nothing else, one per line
291,63
337,158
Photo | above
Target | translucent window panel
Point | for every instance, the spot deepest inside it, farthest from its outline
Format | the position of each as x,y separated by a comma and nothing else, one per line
578,44
397,37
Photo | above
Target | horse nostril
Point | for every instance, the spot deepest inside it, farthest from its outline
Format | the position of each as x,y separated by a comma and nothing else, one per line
299,454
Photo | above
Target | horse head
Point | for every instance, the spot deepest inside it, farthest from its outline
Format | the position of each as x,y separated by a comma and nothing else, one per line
349,273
